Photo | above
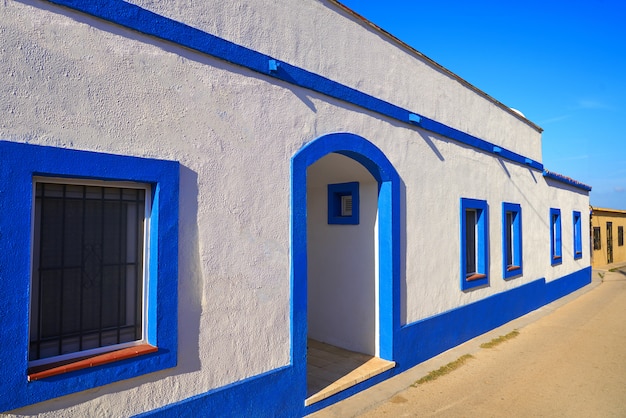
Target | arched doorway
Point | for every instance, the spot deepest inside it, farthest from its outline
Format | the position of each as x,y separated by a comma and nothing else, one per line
364,260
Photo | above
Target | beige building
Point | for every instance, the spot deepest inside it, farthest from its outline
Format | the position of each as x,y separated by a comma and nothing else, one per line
607,235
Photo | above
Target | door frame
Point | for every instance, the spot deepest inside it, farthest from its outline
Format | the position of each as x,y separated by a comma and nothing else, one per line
609,242
374,160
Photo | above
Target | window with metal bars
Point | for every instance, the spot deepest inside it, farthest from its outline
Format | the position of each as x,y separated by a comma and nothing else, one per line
88,268
597,243
620,236
54,220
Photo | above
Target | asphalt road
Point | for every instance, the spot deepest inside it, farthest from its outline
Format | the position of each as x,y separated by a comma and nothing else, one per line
567,361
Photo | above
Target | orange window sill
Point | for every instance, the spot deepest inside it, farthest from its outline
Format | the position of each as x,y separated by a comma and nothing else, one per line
512,268
476,276
55,369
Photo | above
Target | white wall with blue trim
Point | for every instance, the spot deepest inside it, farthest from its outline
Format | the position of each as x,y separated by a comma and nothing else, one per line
322,38
190,83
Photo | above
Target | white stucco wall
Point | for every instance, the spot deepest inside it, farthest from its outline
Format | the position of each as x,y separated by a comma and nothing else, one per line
342,275
73,81
444,174
325,40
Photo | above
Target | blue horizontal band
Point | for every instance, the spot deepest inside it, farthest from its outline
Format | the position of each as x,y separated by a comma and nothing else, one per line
149,23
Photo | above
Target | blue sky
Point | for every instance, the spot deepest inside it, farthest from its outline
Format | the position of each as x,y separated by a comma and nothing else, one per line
562,63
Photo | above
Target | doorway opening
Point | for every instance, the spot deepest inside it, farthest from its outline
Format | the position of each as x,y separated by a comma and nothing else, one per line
364,296
342,253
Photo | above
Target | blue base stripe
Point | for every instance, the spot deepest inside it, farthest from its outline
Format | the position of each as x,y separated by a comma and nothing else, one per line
271,394
562,287
266,395
422,340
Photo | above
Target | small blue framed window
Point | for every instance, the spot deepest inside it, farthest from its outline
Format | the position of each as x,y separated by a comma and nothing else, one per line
511,240
343,203
556,255
578,239
474,243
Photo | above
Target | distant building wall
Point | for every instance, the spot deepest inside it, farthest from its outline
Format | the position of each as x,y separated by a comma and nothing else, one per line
607,236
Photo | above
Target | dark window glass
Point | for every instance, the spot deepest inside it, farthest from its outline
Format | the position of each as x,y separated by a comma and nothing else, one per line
470,242
510,217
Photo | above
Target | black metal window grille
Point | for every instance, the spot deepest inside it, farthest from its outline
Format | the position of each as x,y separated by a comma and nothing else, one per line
87,280
620,236
597,243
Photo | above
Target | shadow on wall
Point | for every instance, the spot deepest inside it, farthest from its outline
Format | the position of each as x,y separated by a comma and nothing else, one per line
403,254
190,283
560,185
432,145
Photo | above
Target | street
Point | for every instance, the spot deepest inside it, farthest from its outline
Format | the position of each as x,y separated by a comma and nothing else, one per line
569,362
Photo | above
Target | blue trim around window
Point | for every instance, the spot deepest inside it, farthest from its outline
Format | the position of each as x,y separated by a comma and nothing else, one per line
512,237
556,255
20,162
578,237
336,192
480,277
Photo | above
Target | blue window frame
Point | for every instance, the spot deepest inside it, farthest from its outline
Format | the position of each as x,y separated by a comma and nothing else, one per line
511,240
578,238
474,243
343,203
23,166
556,255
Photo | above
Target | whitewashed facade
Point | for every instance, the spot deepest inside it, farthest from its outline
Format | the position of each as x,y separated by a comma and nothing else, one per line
237,116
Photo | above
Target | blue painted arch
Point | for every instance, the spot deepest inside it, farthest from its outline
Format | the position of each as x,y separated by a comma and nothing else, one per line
375,161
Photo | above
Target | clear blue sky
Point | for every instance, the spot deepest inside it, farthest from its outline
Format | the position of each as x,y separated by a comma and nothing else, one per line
561,63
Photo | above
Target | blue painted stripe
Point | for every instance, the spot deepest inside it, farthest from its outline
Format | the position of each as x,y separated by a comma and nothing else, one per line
266,395
424,339
271,393
350,391
556,289
149,23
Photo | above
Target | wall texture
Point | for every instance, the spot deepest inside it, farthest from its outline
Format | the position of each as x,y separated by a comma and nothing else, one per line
74,81
323,41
